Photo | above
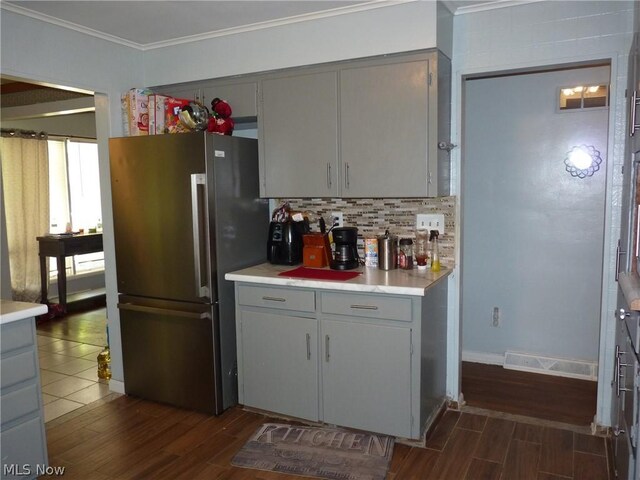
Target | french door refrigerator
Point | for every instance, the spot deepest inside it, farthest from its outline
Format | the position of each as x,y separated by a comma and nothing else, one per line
186,210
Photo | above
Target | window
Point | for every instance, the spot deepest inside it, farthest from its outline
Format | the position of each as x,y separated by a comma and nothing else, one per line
581,97
74,193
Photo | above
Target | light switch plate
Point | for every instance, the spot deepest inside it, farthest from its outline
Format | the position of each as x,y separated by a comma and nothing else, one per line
430,221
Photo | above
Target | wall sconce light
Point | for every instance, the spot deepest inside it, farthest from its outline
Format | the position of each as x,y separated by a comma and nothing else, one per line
583,161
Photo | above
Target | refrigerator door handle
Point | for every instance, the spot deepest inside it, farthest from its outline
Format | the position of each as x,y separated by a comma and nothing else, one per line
202,289
175,313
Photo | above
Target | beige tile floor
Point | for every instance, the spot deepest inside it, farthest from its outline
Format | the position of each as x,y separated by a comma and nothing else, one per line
68,375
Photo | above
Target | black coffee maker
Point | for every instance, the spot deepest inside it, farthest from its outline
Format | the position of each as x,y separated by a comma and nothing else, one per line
346,248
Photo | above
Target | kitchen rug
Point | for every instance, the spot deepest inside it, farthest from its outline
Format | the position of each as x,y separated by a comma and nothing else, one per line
319,274
329,453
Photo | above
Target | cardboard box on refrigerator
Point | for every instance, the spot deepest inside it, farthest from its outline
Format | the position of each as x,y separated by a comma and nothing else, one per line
136,104
172,109
157,105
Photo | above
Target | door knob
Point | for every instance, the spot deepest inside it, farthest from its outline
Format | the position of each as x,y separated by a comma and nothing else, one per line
622,314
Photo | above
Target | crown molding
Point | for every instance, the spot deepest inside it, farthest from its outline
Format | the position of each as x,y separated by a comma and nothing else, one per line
491,5
68,25
208,35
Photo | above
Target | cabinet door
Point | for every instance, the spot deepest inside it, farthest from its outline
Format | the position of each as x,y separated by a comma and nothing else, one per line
280,363
384,115
240,96
366,376
298,135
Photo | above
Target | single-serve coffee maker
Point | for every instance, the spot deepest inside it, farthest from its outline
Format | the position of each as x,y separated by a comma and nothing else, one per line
346,248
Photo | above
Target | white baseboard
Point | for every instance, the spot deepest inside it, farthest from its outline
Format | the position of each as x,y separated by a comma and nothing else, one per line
482,357
116,386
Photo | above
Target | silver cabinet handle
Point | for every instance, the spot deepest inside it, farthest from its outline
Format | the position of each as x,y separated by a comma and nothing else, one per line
275,299
327,356
162,311
633,126
197,179
619,253
346,174
328,175
364,307
308,346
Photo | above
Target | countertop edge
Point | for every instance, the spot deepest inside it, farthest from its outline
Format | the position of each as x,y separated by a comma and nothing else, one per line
630,285
12,311
336,285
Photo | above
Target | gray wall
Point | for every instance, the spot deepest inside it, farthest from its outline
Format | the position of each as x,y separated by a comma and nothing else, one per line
532,235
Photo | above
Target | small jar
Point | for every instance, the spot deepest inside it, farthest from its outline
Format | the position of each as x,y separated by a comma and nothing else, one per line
405,255
422,248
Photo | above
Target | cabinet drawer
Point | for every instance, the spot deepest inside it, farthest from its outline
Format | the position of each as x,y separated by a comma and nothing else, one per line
18,368
282,298
372,306
16,335
19,403
633,325
23,447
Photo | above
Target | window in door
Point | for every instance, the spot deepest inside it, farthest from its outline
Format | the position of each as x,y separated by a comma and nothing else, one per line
74,191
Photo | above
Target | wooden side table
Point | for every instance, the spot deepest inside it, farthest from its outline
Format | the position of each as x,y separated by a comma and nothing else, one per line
60,247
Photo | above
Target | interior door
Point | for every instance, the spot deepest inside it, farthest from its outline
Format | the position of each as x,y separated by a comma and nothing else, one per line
155,207
529,225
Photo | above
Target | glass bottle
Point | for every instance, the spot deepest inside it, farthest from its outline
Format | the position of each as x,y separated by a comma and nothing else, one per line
435,255
422,248
405,255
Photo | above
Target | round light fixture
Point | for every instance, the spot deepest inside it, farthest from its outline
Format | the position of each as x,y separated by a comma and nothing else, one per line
583,161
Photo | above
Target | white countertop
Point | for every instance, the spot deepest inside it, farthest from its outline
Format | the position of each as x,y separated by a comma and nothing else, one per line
11,311
371,279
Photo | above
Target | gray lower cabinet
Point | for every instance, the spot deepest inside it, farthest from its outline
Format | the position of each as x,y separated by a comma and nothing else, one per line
374,362
279,363
366,376
22,433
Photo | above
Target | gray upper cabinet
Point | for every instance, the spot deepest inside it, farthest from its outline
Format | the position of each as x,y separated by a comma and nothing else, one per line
384,120
298,135
241,97
357,129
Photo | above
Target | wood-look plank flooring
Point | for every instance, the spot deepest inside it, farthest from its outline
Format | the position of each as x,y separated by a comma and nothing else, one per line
129,438
548,397
121,437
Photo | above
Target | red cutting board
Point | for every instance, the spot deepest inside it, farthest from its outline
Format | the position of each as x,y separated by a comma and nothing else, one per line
319,274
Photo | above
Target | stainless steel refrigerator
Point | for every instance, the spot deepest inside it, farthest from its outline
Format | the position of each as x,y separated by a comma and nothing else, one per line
186,210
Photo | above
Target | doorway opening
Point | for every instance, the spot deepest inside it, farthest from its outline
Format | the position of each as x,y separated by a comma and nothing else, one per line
67,117
532,240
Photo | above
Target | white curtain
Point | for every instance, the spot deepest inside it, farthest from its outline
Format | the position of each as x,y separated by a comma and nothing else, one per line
25,177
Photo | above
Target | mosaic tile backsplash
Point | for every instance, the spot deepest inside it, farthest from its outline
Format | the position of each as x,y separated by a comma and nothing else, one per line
373,216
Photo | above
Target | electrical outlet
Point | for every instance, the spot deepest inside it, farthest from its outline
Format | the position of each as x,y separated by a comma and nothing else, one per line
336,219
430,221
495,318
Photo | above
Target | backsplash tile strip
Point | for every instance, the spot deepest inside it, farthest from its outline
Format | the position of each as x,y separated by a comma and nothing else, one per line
373,216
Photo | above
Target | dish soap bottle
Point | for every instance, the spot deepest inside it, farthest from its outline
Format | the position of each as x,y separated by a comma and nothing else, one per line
435,255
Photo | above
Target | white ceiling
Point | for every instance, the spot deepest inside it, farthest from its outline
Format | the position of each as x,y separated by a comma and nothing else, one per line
146,24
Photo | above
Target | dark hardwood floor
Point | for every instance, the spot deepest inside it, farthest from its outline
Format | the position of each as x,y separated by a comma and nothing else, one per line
547,397
121,437
128,438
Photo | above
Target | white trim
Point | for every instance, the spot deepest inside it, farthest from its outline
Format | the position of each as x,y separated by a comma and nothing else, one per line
116,386
208,35
490,5
482,357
